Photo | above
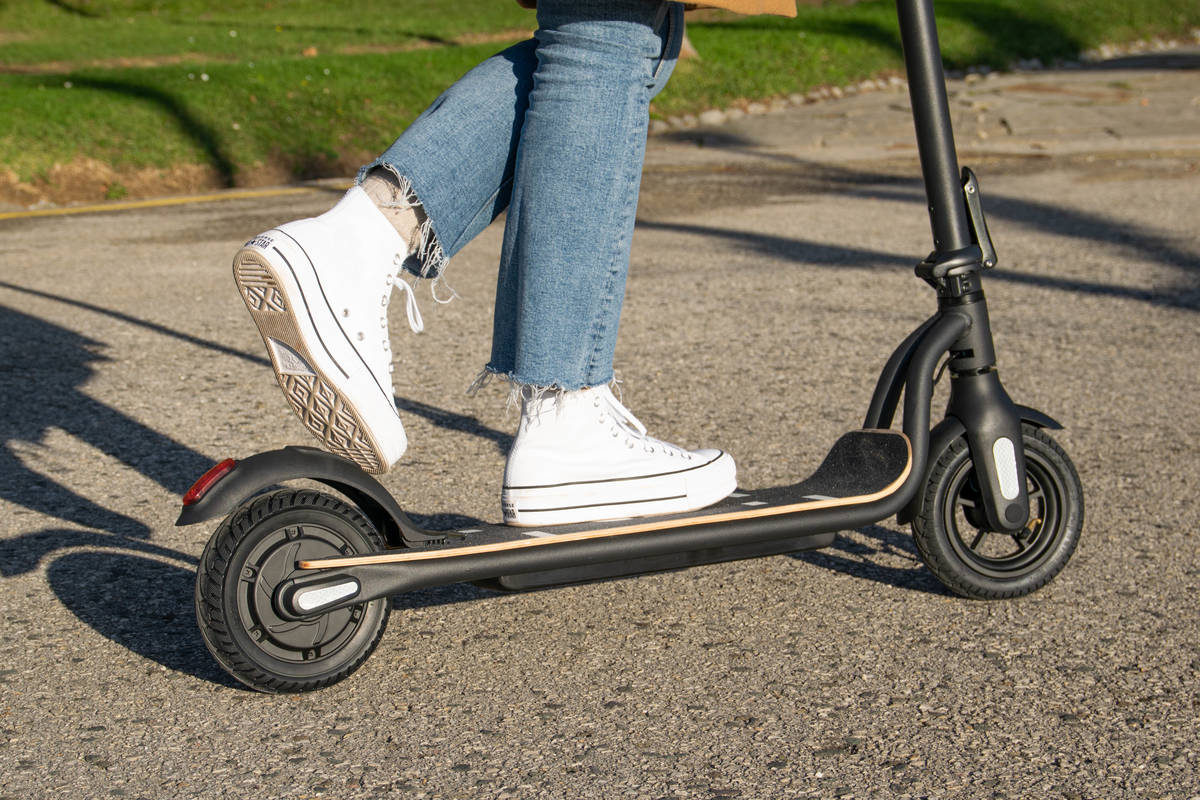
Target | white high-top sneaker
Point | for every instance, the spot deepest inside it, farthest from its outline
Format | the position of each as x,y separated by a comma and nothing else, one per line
582,457
318,290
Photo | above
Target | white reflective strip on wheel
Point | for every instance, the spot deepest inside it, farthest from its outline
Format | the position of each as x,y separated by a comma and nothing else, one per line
315,598
1005,457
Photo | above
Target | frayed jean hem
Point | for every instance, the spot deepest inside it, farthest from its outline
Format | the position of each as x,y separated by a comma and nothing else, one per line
428,259
521,391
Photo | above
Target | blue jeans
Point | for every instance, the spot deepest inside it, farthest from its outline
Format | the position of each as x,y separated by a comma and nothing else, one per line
553,130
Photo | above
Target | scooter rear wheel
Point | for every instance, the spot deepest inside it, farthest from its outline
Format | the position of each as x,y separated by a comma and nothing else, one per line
245,561
951,531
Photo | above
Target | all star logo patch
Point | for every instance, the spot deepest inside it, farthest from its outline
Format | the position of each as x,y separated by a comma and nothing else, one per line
262,241
289,361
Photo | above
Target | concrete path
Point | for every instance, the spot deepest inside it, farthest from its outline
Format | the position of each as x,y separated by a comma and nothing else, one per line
771,277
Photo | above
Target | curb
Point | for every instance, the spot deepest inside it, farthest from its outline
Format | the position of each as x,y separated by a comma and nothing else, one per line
1106,52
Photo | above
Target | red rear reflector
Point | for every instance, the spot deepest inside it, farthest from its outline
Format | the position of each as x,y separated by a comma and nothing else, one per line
201,487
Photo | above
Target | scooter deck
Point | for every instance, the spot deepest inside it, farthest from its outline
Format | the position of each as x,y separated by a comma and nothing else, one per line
863,466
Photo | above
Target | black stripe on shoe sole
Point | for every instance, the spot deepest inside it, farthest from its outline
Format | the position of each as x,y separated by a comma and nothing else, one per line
388,394
619,480
601,505
304,302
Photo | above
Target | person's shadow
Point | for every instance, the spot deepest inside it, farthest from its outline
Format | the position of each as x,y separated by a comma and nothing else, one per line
124,586
43,371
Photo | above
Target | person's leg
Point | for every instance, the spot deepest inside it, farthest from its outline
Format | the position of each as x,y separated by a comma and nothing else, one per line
579,455
318,289
574,197
455,162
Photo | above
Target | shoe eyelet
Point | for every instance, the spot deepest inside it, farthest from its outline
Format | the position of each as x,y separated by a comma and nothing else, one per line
361,336
345,312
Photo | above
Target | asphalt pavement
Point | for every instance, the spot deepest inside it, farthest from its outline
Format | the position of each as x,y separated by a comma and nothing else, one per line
772,275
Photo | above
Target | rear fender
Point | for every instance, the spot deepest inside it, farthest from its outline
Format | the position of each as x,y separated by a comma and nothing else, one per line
260,472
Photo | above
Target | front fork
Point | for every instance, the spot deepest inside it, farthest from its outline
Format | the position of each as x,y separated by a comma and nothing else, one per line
979,409
989,419
978,400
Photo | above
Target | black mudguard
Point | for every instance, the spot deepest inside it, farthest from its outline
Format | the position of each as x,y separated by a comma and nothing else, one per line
950,429
265,470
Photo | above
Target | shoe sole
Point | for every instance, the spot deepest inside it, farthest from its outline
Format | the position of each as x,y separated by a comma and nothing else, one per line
327,413
598,501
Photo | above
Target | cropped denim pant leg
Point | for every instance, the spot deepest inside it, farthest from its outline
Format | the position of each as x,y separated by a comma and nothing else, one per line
552,130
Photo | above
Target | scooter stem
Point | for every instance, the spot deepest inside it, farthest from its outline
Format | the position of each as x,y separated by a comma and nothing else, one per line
931,117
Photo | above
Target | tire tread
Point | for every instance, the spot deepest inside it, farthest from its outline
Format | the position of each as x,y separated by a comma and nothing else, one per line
957,576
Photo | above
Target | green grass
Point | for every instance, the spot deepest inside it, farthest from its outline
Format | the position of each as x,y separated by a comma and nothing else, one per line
76,31
308,114
315,87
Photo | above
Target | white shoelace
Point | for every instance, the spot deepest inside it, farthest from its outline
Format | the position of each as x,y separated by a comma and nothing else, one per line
624,421
621,414
410,306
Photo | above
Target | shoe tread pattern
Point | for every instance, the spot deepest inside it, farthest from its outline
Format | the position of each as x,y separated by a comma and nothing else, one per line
320,407
258,287
330,419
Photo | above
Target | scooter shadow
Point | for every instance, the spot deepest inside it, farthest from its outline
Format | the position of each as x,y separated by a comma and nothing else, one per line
853,557
848,555
140,603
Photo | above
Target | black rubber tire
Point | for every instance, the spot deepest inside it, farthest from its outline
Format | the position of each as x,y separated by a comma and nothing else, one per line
953,539
248,556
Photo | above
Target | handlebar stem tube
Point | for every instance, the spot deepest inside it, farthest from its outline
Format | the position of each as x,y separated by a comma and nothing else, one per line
931,117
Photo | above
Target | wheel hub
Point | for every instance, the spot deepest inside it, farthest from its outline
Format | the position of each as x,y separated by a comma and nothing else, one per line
268,565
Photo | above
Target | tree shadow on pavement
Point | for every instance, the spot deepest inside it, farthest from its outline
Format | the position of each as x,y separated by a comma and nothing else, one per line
125,592
43,368
800,177
122,585
452,421
439,417
153,327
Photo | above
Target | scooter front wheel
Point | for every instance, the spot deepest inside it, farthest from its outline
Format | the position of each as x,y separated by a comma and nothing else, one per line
254,551
951,531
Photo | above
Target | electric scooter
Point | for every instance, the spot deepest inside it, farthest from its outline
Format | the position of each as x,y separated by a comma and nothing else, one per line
293,588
